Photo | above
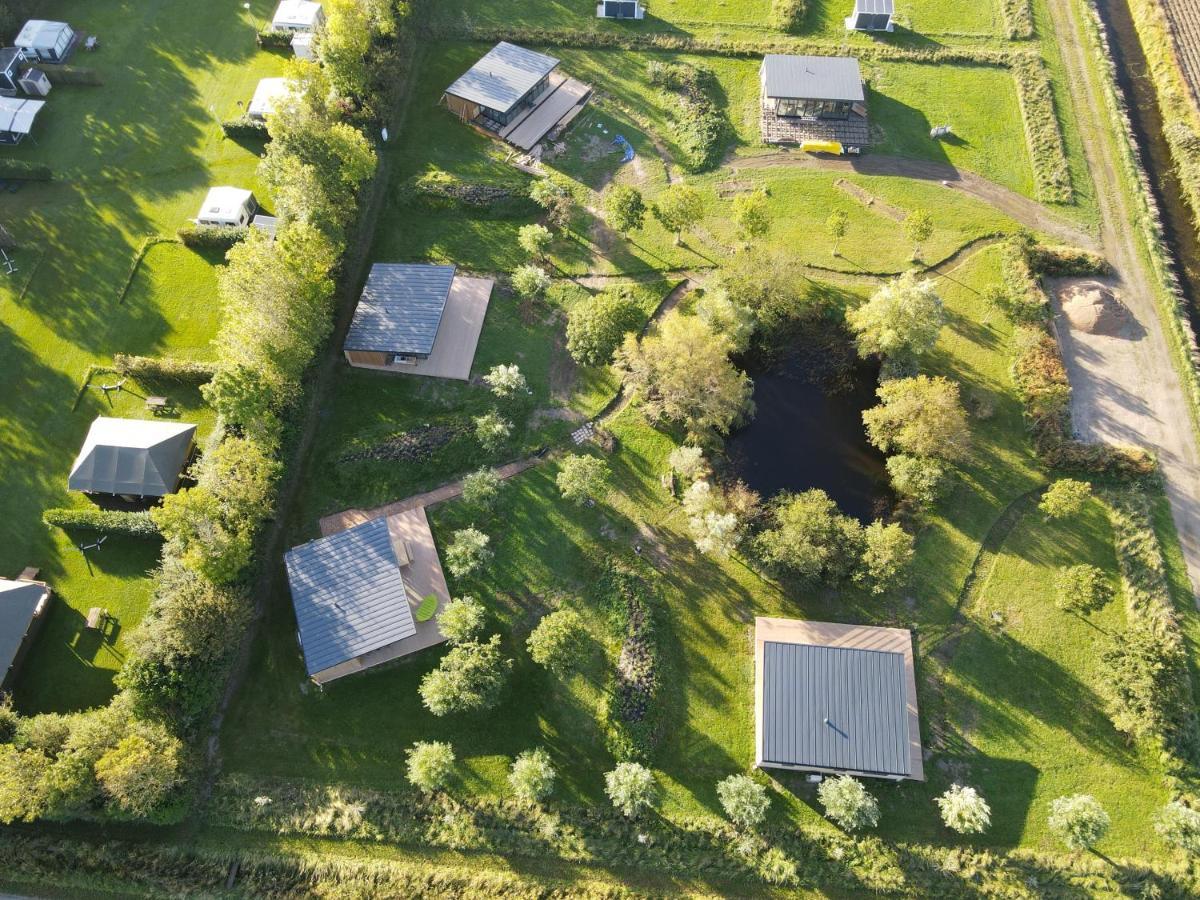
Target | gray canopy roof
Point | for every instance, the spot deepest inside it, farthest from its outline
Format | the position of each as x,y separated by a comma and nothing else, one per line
349,595
812,77
132,456
835,708
503,76
18,603
401,308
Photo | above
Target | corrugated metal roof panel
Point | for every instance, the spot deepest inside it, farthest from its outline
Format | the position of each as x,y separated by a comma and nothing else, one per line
835,708
349,595
132,456
812,77
874,6
401,308
503,76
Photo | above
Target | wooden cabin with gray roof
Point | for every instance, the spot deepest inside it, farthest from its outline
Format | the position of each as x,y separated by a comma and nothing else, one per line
813,99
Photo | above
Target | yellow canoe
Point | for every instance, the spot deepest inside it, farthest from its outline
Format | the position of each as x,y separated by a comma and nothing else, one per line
834,147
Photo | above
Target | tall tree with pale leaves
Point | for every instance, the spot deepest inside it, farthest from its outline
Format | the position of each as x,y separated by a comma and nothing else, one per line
964,810
902,318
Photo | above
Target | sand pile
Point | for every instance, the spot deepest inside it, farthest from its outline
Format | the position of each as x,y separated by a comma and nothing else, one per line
1093,308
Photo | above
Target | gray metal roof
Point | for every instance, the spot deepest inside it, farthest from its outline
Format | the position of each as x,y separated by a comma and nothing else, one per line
503,76
18,602
874,6
400,308
9,58
349,595
812,77
132,456
835,708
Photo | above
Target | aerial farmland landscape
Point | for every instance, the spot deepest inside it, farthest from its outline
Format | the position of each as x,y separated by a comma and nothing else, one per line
600,448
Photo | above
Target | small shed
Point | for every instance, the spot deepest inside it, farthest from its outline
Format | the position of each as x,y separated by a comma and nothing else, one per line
505,82
227,207
620,9
871,15
304,45
34,82
16,118
23,606
45,41
297,15
836,699
268,93
132,458
10,70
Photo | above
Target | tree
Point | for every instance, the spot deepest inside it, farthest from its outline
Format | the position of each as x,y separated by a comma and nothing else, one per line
744,800
468,552
506,381
688,462
1179,826
1065,498
679,208
242,476
1140,676
682,373
964,810
903,318
531,778
1082,589
1079,821
751,215
343,47
809,536
482,487
141,772
430,765
624,208
530,282
243,398
596,325
470,678
492,430
534,240
631,788
715,529
848,803
195,523
581,478
23,795
918,225
776,288
920,416
836,227
919,478
558,641
734,322
556,200
887,551
461,620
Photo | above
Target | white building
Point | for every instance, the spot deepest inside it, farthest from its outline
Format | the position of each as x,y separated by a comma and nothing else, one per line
266,96
871,15
43,41
228,207
298,15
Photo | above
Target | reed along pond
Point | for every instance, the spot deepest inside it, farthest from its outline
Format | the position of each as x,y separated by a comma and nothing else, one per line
808,433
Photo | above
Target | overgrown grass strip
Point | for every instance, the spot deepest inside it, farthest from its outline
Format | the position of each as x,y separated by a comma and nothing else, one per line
1047,151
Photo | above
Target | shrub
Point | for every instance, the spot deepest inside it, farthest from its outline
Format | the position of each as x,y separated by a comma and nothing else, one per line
272,39
468,552
430,765
1179,826
245,127
23,170
140,773
461,620
1051,173
848,803
1081,589
964,810
752,215
470,678
697,123
531,777
482,487
556,200
211,237
631,708
79,75
534,240
1140,680
744,800
1041,380
631,788
558,641
581,478
887,551
688,462
530,282
492,430
597,325
506,381
1065,498
1079,821
919,478
715,529
111,521
624,208
788,15
165,368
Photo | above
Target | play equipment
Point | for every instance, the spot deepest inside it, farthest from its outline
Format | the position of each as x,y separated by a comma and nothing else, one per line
620,141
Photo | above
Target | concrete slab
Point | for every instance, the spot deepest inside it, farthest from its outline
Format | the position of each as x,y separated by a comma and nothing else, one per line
557,104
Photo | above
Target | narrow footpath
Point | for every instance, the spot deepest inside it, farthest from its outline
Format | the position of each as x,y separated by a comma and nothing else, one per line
1125,390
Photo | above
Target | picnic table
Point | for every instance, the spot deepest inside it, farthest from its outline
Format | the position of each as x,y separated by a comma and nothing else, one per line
91,42
96,618
29,573
157,404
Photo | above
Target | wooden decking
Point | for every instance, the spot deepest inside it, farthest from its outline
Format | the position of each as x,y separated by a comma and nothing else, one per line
556,105
853,131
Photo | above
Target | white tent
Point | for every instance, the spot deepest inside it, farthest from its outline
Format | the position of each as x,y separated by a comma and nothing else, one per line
297,15
45,41
228,206
16,118
269,92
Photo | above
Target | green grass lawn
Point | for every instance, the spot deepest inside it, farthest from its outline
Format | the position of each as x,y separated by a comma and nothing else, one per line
132,158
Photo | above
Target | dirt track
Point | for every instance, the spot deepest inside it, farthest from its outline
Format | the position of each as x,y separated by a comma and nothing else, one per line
1125,389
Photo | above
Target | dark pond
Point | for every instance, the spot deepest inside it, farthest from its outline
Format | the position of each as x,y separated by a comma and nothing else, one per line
807,434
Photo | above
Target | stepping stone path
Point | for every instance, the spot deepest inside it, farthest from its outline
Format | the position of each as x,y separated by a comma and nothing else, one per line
583,433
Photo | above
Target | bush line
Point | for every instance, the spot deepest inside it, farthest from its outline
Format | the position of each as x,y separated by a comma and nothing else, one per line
138,256
1018,19
211,237
114,521
1051,173
165,368
632,705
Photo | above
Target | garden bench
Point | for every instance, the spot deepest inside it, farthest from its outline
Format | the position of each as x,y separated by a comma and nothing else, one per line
157,404
96,618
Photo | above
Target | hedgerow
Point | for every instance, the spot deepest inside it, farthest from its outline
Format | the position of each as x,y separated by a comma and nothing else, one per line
1018,19
165,368
211,237
23,170
245,127
111,521
1051,173
788,15
275,39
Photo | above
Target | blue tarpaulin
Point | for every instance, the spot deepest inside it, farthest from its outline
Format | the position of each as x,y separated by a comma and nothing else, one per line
620,141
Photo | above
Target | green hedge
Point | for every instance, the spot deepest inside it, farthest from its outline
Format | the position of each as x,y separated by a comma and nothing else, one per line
23,170
245,127
211,237
1051,173
271,39
165,368
73,75
133,524
1018,19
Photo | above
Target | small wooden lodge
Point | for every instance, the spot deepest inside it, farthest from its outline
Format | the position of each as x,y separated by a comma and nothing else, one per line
818,101
516,94
871,15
